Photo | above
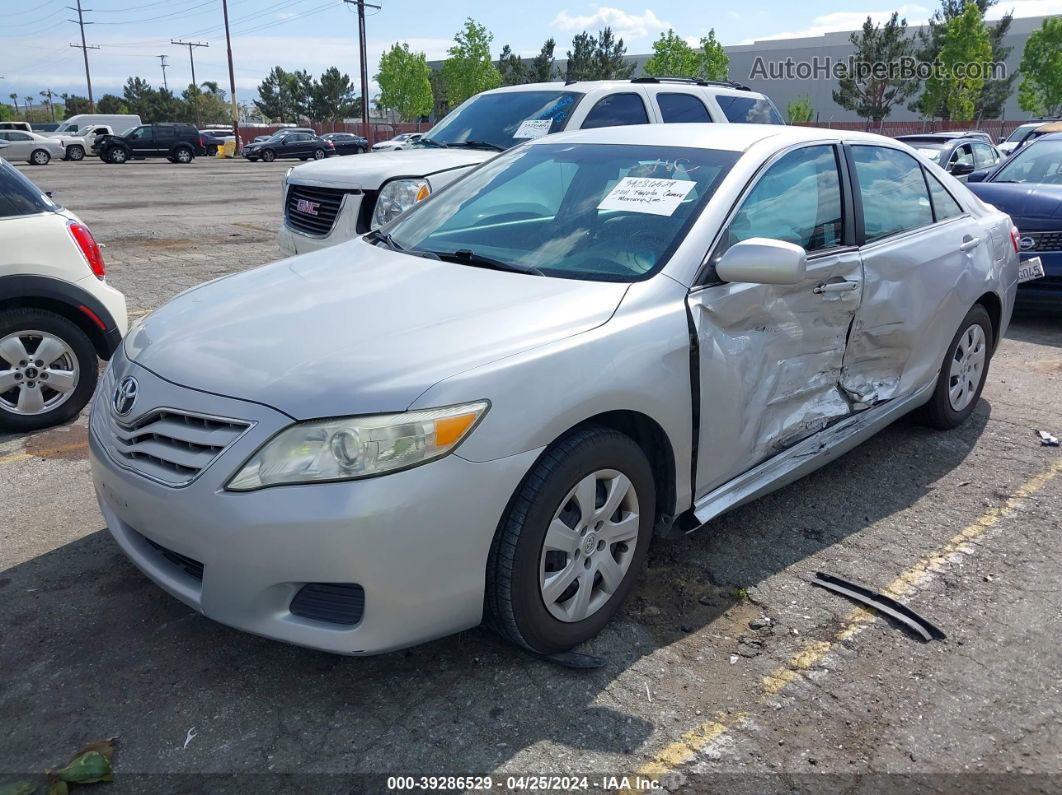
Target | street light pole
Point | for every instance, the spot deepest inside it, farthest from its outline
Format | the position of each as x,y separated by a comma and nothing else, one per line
364,63
191,60
232,78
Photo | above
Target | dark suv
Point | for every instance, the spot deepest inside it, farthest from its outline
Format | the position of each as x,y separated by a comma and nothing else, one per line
178,143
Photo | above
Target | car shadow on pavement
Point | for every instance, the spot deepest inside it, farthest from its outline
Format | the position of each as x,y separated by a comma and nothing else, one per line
92,649
1037,327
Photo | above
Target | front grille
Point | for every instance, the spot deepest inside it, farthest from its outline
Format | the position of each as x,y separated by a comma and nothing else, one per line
330,602
172,446
1043,241
319,208
193,568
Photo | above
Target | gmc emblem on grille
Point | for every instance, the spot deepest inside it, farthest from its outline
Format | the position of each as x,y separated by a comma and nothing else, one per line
307,207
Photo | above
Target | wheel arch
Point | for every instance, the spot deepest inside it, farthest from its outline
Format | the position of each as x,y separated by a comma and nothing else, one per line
65,300
994,306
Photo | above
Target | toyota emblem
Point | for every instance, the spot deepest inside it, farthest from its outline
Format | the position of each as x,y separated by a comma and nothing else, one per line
125,396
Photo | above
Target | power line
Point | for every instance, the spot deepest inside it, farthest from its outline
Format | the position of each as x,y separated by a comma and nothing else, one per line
84,51
191,59
364,62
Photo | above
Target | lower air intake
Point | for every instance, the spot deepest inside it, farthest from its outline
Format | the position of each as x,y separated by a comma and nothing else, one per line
329,602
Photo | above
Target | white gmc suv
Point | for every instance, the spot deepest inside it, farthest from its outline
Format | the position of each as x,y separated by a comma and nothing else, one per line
331,201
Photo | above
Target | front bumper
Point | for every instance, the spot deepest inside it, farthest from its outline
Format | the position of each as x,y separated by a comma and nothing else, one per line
1046,293
346,226
416,541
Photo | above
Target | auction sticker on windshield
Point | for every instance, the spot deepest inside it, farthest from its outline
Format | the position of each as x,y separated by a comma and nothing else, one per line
533,128
646,195
1030,269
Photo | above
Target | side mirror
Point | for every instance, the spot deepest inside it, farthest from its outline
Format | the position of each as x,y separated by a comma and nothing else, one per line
761,260
960,169
978,176
1002,140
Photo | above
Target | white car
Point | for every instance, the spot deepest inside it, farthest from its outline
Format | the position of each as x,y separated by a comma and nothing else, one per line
31,147
57,312
403,141
329,203
75,147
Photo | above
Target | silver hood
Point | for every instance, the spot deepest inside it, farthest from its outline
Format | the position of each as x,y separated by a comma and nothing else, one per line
357,328
370,171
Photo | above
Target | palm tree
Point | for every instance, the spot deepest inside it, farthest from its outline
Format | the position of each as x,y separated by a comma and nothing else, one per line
27,106
14,98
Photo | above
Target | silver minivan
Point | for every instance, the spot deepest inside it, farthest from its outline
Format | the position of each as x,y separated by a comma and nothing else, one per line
492,405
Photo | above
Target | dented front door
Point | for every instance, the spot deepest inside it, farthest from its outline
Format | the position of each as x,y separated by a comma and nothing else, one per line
770,359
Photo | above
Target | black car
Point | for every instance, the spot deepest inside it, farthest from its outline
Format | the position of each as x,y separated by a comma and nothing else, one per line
287,143
957,153
347,143
177,142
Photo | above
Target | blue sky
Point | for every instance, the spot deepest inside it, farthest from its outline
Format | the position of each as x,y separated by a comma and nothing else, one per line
314,34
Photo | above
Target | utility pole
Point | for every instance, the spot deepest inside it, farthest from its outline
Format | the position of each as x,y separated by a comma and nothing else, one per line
162,60
232,78
191,60
84,49
361,4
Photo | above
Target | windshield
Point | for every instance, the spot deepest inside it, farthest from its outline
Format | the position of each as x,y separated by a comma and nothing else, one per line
1040,162
498,120
66,127
1020,132
590,211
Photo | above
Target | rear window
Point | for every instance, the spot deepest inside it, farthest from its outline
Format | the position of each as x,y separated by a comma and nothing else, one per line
617,110
19,196
748,110
682,108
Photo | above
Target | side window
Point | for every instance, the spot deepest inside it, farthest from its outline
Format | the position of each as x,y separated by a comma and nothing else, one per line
944,206
681,108
895,197
748,110
984,156
15,135
798,200
140,134
165,134
18,196
617,110
962,155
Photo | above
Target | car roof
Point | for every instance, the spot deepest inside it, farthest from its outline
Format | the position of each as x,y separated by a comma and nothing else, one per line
943,136
1050,127
729,137
587,86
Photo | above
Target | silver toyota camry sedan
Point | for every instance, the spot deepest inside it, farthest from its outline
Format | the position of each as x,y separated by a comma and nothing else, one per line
490,407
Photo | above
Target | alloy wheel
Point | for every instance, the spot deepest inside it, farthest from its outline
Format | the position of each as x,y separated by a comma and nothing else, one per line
589,545
38,372
967,367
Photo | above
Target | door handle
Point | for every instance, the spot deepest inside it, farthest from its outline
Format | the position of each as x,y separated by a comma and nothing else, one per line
972,242
836,287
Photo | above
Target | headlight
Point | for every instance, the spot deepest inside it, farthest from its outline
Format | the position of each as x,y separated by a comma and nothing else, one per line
398,196
357,447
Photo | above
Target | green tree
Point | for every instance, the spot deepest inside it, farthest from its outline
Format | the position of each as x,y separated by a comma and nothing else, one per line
109,103
470,69
957,85
73,104
271,96
333,96
580,65
14,100
715,63
994,93
672,56
541,68
405,82
137,94
872,94
511,68
213,109
439,95
609,59
1040,91
800,111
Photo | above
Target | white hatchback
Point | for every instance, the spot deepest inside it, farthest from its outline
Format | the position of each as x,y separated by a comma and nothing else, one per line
57,313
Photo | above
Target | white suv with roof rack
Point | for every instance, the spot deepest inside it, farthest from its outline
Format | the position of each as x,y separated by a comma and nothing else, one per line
331,201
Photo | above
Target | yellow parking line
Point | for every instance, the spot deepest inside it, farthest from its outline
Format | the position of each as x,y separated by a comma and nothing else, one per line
13,457
692,742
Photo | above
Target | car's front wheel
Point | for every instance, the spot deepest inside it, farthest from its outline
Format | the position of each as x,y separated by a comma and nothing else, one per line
574,537
48,369
318,154
117,155
75,152
963,373
40,157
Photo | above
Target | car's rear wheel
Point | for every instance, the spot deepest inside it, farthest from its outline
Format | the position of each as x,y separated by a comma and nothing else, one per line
117,155
269,156
572,541
182,154
48,369
40,157
963,373
75,152
318,154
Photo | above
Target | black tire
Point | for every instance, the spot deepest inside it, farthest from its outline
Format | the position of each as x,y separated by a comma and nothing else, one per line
16,320
268,155
183,155
75,153
117,155
318,154
40,157
514,604
253,159
939,412
360,150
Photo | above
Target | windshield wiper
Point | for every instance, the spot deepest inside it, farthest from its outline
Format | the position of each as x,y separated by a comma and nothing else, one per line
431,142
480,145
466,257
376,236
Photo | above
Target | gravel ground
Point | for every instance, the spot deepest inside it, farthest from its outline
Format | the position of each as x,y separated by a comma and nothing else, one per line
727,669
